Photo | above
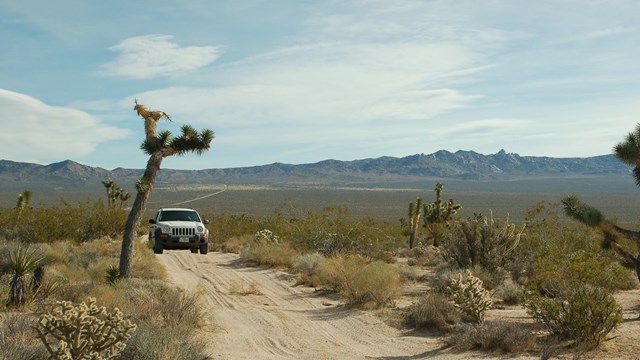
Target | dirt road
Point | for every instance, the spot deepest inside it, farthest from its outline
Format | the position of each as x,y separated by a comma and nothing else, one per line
286,321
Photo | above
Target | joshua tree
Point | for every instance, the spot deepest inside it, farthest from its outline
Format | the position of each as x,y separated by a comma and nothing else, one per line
23,201
114,193
158,146
438,214
628,152
415,212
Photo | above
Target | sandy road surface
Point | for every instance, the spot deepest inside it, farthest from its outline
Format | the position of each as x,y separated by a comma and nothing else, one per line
294,322
287,321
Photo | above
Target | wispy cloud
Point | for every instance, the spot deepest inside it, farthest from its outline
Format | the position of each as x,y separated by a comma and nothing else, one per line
599,34
41,133
149,56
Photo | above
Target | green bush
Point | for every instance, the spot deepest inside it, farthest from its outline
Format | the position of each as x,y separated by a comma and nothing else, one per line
583,313
84,222
433,311
330,231
494,337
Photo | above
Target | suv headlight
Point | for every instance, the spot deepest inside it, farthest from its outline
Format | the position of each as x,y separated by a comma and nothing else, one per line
200,228
165,229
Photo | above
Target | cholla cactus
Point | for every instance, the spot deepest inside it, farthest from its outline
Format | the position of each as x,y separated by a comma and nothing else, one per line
470,296
83,331
266,235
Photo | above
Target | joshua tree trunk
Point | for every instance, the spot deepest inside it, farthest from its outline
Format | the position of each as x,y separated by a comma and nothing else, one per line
137,210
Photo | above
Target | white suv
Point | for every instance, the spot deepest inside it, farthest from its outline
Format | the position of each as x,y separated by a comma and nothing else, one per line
179,228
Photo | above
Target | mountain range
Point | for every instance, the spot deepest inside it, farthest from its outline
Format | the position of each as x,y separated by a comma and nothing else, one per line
461,165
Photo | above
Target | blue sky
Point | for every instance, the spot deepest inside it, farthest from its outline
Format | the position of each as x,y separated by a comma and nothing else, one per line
304,81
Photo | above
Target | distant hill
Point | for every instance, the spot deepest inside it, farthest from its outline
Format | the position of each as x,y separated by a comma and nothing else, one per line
461,165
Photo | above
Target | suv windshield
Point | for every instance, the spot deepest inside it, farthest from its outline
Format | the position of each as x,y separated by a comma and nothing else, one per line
179,215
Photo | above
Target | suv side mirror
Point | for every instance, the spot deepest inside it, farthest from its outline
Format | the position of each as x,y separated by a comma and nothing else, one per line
152,221
206,222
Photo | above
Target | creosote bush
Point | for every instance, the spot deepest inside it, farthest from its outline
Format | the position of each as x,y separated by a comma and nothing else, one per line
83,331
583,313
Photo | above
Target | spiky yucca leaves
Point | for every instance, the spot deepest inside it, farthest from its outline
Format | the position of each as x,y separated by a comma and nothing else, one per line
22,260
84,331
628,152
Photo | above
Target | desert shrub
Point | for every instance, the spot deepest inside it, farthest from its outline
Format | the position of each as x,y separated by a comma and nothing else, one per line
433,311
480,241
83,331
469,295
270,254
330,231
153,341
510,293
422,255
235,244
16,338
491,279
443,277
583,313
361,282
308,267
408,273
494,337
242,288
83,222
557,269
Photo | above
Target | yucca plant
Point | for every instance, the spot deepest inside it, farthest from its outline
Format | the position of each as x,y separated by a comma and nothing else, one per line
22,260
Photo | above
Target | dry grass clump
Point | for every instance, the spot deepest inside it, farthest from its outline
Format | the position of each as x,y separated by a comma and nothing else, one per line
362,283
240,288
270,254
235,244
495,337
308,267
510,293
433,311
17,340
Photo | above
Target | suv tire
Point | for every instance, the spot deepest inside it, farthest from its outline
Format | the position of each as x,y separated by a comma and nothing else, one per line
157,248
204,249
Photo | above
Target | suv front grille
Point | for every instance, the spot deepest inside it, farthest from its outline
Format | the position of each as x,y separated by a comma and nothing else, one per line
183,231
